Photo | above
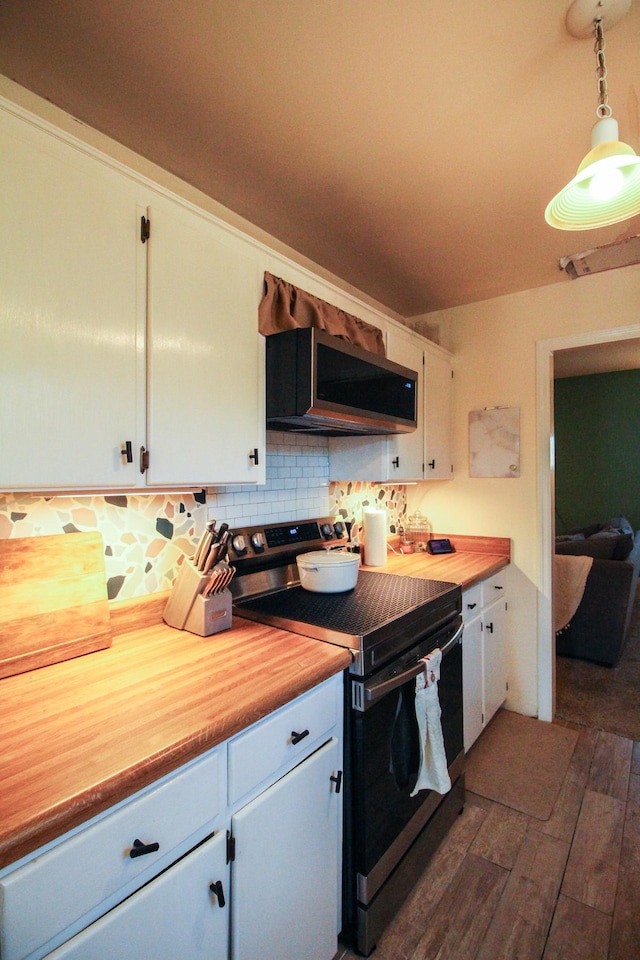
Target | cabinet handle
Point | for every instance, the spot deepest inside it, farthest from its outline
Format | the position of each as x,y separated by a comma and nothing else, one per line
432,464
471,606
489,627
140,849
218,892
254,456
127,451
144,459
337,780
297,737
395,462
496,587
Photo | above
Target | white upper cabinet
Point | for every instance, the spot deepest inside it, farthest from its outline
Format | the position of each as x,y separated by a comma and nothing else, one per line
423,454
205,359
406,450
108,340
71,321
438,389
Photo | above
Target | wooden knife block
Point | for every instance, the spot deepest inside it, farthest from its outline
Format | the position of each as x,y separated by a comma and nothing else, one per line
187,609
53,600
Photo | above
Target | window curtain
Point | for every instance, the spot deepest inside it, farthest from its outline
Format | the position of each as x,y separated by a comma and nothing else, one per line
284,307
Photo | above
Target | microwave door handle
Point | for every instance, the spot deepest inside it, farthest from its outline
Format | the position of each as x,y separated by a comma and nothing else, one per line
379,690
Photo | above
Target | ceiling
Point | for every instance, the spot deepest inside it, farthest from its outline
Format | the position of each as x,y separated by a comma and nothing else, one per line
410,148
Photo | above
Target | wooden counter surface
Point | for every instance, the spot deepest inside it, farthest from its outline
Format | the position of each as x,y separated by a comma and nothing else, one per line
476,558
81,735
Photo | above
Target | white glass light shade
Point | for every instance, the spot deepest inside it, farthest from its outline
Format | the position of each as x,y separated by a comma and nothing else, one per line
606,188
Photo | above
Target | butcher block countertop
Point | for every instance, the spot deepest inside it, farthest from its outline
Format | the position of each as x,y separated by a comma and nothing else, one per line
475,558
81,735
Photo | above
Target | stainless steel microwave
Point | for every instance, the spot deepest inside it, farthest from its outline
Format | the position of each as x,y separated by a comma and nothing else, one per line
321,384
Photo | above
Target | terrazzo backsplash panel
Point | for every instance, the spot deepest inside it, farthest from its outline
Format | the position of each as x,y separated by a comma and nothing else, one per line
349,500
147,536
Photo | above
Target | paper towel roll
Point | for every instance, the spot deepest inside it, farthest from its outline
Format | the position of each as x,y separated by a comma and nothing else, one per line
375,537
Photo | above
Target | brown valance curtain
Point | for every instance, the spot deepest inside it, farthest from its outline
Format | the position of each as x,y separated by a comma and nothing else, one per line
284,306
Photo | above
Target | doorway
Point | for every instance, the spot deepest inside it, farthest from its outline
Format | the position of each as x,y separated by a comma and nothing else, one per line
591,346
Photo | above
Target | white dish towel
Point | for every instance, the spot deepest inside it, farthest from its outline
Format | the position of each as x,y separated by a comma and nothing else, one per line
433,773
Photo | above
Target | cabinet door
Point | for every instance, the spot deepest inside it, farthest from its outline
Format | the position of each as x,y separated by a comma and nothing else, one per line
205,360
406,450
472,681
176,915
71,315
284,879
398,457
437,405
495,658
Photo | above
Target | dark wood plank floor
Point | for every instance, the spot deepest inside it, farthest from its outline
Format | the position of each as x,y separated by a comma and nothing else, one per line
504,886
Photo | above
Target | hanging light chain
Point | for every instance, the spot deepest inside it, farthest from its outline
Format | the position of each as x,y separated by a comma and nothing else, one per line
603,109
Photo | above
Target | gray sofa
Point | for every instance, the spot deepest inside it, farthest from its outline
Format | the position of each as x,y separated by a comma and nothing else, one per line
600,625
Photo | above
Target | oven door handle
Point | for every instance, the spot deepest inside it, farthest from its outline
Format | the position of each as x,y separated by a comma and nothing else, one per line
371,694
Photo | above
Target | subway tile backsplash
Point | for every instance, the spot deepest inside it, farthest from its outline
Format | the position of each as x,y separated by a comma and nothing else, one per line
146,536
296,488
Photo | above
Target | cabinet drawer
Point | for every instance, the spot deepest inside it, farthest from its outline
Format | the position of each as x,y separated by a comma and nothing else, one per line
75,881
173,916
471,602
270,745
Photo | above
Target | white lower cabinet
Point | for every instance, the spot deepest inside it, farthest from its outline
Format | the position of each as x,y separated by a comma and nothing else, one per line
182,913
285,875
156,877
495,657
484,653
62,890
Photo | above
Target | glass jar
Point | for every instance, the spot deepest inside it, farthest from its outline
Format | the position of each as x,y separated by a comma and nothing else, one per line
418,530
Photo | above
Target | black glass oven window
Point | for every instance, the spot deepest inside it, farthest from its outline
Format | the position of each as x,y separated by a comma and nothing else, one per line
353,382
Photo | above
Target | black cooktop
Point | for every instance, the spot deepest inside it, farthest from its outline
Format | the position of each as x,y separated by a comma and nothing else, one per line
377,599
381,618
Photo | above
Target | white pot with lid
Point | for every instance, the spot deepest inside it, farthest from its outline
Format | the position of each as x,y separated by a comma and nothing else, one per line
328,571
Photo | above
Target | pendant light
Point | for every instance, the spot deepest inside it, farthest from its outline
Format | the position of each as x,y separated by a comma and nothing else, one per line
606,188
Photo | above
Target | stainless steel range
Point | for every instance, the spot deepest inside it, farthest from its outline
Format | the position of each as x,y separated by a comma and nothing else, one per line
389,623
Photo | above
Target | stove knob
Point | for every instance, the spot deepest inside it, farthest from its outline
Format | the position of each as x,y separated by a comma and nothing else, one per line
339,529
239,545
257,542
325,530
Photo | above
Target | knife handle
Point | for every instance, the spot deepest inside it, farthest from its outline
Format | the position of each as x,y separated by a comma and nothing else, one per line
221,532
211,559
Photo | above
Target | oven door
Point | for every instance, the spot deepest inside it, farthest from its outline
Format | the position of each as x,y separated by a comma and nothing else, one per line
383,818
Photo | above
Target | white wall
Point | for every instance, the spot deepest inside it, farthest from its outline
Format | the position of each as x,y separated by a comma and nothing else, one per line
494,346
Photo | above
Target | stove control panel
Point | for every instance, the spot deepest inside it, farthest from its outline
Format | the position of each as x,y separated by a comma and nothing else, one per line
276,540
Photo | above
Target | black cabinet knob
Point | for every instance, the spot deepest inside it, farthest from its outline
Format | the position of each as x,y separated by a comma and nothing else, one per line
127,451
141,849
297,737
218,892
337,780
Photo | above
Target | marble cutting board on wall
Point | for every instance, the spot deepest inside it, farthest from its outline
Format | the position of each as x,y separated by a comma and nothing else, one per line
494,442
